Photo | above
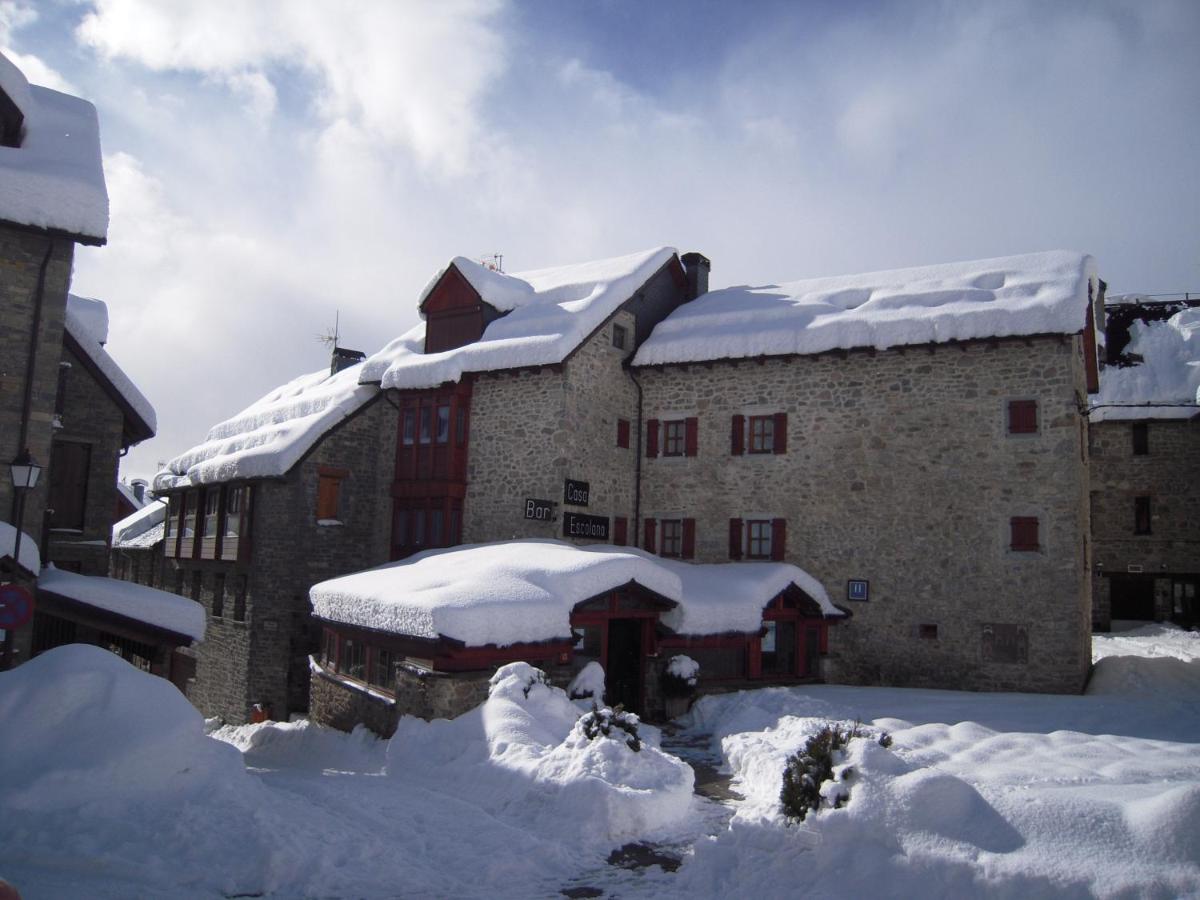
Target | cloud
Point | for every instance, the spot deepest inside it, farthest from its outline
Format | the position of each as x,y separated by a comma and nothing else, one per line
13,17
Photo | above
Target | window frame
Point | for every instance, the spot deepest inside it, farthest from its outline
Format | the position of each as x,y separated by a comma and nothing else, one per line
329,493
620,336
764,441
674,435
670,538
750,526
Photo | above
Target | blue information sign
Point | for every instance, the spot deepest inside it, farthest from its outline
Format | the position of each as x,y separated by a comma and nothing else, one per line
858,589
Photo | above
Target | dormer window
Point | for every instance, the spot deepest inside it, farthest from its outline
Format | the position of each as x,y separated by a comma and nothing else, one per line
619,336
455,314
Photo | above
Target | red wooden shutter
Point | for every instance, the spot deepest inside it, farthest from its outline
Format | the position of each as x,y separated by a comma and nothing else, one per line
778,539
735,538
691,439
620,531
1022,417
737,443
649,529
623,433
1024,532
652,438
780,436
689,539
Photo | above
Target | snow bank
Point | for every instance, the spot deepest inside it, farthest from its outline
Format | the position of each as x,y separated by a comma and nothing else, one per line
305,745
270,436
79,725
549,313
134,601
523,591
1168,377
89,327
521,756
1154,639
141,529
1038,293
55,179
588,683
30,558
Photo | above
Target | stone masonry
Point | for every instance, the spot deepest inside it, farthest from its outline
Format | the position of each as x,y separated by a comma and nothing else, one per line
900,470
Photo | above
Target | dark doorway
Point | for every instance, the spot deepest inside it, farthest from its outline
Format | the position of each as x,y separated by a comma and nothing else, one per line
1132,597
623,681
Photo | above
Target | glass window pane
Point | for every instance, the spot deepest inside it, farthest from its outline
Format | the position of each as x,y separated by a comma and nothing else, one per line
443,424
408,429
426,424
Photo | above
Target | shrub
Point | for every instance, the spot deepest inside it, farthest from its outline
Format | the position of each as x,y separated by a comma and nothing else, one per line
808,770
602,720
680,677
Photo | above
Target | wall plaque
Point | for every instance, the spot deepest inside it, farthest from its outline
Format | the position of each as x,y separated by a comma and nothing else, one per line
858,589
542,510
576,492
1005,643
577,525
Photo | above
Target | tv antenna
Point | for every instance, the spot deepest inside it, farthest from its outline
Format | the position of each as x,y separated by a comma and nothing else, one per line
495,262
330,338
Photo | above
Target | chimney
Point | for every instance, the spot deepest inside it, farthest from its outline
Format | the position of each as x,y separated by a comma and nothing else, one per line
344,359
139,489
697,267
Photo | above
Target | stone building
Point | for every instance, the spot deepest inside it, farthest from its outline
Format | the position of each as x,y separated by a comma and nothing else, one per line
1145,465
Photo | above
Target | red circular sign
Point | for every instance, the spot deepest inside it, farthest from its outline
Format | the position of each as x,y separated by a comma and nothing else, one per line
16,606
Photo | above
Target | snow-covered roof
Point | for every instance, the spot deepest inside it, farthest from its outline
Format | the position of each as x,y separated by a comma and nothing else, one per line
549,313
1166,384
270,436
87,323
55,179
30,558
159,609
142,528
1037,293
523,591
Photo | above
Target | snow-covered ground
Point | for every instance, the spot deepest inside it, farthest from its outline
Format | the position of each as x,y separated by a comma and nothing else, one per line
109,787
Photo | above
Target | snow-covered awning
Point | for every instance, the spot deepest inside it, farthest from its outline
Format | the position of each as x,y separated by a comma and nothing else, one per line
87,326
550,312
1165,384
1038,293
515,592
142,528
29,558
150,606
55,178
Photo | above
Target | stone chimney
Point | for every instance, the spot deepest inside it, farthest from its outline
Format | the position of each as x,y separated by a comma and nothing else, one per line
697,267
344,359
139,489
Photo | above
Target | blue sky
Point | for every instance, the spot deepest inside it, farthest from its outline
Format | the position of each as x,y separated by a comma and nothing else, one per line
271,163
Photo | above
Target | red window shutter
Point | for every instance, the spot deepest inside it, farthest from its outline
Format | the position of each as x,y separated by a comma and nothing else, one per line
778,539
649,530
1024,531
737,436
623,433
652,438
1022,417
691,439
689,539
735,538
620,531
780,435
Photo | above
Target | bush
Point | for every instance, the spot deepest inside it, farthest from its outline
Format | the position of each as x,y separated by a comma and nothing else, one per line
807,771
602,720
680,677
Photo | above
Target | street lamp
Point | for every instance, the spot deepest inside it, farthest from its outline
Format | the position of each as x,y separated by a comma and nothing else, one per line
25,473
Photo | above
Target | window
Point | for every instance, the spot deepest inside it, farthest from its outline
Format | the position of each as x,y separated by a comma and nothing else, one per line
443,424
1022,417
758,539
1141,439
172,532
212,504
927,632
1141,515
353,659
779,647
191,506
620,531
426,425
758,544
408,427
233,512
674,434
381,669
762,434
219,595
329,656
329,491
60,396
680,437
619,335
1024,530
672,538
623,433
758,434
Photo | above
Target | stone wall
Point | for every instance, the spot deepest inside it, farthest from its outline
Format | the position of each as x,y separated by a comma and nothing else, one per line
336,704
1169,474
90,416
900,470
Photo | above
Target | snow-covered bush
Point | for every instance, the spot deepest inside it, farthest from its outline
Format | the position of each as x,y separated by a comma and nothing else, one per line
588,684
602,720
680,677
815,777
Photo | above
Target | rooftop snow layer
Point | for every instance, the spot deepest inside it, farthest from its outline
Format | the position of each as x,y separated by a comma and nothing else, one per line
135,530
1168,376
134,601
549,312
55,179
270,436
1038,293
523,591
89,327
30,558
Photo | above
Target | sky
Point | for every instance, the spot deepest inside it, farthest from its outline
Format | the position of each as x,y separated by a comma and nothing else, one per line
275,165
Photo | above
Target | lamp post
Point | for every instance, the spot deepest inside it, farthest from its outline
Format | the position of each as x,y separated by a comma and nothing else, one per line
24,472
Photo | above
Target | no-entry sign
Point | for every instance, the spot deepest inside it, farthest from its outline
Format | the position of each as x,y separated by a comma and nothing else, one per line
16,606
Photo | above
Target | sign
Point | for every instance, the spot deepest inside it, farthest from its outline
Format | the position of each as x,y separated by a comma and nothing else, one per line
577,525
576,492
1005,643
16,606
542,510
858,589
